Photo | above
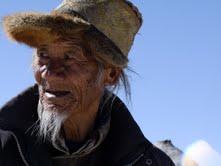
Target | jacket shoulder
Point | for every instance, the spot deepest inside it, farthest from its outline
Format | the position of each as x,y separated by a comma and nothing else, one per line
159,157
20,112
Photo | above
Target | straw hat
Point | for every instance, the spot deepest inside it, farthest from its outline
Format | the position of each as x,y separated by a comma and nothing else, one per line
108,22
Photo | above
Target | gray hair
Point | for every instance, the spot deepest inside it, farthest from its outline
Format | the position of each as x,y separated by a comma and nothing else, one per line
106,53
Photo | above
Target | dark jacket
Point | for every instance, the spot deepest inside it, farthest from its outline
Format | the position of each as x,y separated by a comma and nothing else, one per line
124,144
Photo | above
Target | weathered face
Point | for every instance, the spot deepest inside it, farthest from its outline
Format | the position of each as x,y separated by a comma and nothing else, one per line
67,76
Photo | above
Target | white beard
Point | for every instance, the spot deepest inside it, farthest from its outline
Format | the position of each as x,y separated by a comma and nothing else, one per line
50,123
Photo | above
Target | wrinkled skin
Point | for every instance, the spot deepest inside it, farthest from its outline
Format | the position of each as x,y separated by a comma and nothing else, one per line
67,76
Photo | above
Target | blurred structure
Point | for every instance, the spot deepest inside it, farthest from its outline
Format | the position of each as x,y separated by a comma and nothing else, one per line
174,153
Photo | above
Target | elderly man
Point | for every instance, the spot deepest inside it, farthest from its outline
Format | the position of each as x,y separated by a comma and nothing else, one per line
71,117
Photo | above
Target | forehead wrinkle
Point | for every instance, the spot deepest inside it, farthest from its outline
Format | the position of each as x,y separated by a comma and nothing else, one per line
56,48
73,41
73,47
78,46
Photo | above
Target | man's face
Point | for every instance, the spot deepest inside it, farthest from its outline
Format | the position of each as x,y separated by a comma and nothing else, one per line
67,76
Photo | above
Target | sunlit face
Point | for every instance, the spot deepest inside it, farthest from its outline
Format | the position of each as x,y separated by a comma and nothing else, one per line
67,77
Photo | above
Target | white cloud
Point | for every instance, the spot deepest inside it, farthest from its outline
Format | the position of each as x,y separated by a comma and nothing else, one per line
203,154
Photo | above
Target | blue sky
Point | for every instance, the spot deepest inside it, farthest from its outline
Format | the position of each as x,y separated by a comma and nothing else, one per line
177,54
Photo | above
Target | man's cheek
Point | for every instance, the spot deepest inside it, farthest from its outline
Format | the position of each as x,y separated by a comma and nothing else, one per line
37,76
37,73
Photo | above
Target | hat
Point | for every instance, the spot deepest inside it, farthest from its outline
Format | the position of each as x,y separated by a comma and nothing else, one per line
108,22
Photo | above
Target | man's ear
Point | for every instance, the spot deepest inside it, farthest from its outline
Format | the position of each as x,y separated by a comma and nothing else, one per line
112,76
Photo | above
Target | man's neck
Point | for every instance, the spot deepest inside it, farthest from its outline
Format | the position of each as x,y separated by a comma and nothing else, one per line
80,124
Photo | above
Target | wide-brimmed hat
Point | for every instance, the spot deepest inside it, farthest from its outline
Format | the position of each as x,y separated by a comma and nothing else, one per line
107,22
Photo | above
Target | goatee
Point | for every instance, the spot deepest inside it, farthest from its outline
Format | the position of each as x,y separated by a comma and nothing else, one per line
50,122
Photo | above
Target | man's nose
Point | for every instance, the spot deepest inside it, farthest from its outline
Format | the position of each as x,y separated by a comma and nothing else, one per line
54,69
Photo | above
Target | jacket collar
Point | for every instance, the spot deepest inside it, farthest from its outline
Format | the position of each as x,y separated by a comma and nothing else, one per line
125,139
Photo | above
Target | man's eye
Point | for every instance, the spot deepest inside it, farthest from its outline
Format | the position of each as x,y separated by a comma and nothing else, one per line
74,56
69,56
43,54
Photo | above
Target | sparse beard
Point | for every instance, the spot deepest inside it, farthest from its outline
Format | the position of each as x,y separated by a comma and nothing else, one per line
50,122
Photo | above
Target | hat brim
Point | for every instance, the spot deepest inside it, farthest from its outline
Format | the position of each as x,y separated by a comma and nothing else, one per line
35,29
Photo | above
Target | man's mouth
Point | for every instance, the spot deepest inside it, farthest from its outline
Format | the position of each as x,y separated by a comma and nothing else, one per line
52,93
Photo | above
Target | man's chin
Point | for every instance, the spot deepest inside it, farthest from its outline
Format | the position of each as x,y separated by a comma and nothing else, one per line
54,108
58,105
